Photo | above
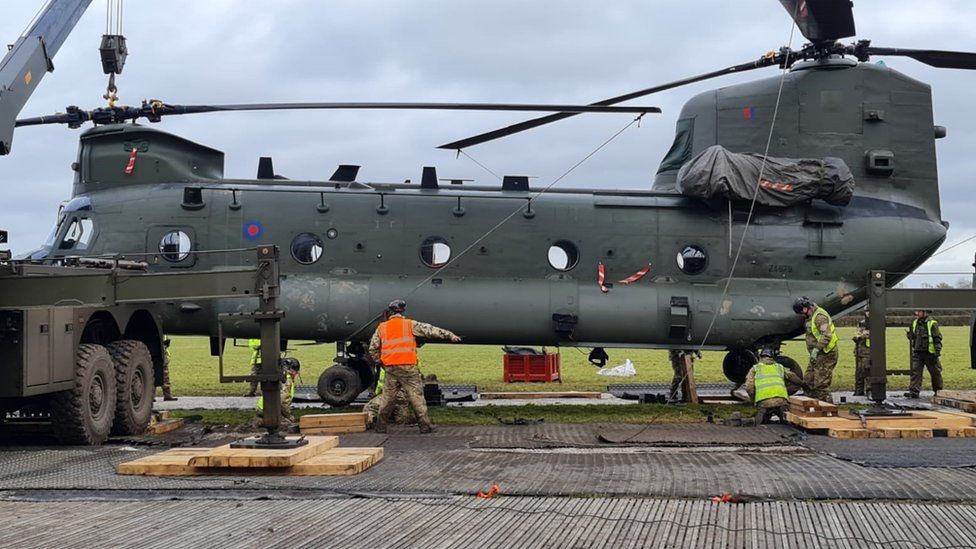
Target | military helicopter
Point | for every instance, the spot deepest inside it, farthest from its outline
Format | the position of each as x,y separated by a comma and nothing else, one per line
670,267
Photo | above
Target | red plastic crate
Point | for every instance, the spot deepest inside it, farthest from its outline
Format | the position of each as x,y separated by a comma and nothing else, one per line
544,368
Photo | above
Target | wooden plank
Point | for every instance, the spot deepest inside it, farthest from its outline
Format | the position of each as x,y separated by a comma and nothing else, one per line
965,396
901,433
961,432
339,462
336,461
812,413
333,430
225,456
169,463
349,420
530,395
965,406
811,404
849,433
688,387
164,426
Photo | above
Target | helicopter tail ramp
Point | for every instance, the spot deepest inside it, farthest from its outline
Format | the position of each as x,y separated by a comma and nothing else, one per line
30,59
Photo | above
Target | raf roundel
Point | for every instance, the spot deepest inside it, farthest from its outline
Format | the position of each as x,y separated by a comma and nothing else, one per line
253,230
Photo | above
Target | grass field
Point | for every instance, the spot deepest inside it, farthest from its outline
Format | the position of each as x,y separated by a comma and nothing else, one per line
496,415
194,372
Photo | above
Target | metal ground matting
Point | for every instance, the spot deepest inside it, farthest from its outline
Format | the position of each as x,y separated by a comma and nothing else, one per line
465,521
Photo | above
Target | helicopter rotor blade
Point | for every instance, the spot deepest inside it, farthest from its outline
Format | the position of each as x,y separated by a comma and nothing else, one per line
822,20
765,61
936,58
154,110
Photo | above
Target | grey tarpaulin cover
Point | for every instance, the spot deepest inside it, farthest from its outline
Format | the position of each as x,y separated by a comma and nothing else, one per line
716,172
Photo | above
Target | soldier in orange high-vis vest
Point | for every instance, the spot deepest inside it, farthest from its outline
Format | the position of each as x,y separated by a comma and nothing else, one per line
394,346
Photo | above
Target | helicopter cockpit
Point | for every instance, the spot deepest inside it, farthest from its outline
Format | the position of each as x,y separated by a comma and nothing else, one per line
74,230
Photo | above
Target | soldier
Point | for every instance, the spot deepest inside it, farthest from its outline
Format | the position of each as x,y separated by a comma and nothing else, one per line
167,390
677,357
255,345
401,407
926,342
395,347
292,369
862,355
766,386
821,340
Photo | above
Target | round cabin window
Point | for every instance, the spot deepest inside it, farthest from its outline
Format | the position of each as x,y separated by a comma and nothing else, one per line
306,248
175,246
692,259
435,252
563,255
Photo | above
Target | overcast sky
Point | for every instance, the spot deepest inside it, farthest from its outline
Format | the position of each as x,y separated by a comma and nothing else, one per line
545,51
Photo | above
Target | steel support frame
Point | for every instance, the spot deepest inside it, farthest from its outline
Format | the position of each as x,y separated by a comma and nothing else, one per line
882,299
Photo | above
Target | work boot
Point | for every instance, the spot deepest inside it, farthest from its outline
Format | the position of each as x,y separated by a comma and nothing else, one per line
911,395
760,417
379,426
169,398
858,393
426,428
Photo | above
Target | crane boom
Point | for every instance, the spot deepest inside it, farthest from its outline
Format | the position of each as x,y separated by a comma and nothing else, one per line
30,58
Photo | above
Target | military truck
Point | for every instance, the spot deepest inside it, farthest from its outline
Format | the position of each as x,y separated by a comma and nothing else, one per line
81,342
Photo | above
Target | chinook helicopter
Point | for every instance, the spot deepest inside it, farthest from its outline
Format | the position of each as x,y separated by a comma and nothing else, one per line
694,262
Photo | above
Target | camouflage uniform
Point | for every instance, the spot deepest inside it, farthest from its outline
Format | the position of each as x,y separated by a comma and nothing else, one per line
402,414
820,371
925,355
750,386
287,393
405,378
677,358
167,390
862,358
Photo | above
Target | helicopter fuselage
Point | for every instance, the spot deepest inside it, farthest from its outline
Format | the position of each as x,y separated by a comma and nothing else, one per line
510,266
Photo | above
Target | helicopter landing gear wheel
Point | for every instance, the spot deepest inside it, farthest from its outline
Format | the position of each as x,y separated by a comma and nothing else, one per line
339,386
737,363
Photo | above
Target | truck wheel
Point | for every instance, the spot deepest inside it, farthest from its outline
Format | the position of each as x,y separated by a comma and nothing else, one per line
83,414
339,386
134,384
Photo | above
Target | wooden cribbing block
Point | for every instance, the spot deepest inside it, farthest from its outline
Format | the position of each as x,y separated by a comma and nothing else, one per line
849,433
964,405
225,456
811,413
339,462
965,396
811,404
164,426
322,424
169,463
902,433
333,462
547,394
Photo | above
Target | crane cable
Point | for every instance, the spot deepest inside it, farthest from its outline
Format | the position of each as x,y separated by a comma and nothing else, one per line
113,30
755,196
452,260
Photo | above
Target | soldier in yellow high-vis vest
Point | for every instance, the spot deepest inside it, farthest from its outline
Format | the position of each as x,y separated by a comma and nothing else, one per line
926,347
862,356
254,344
821,338
766,386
